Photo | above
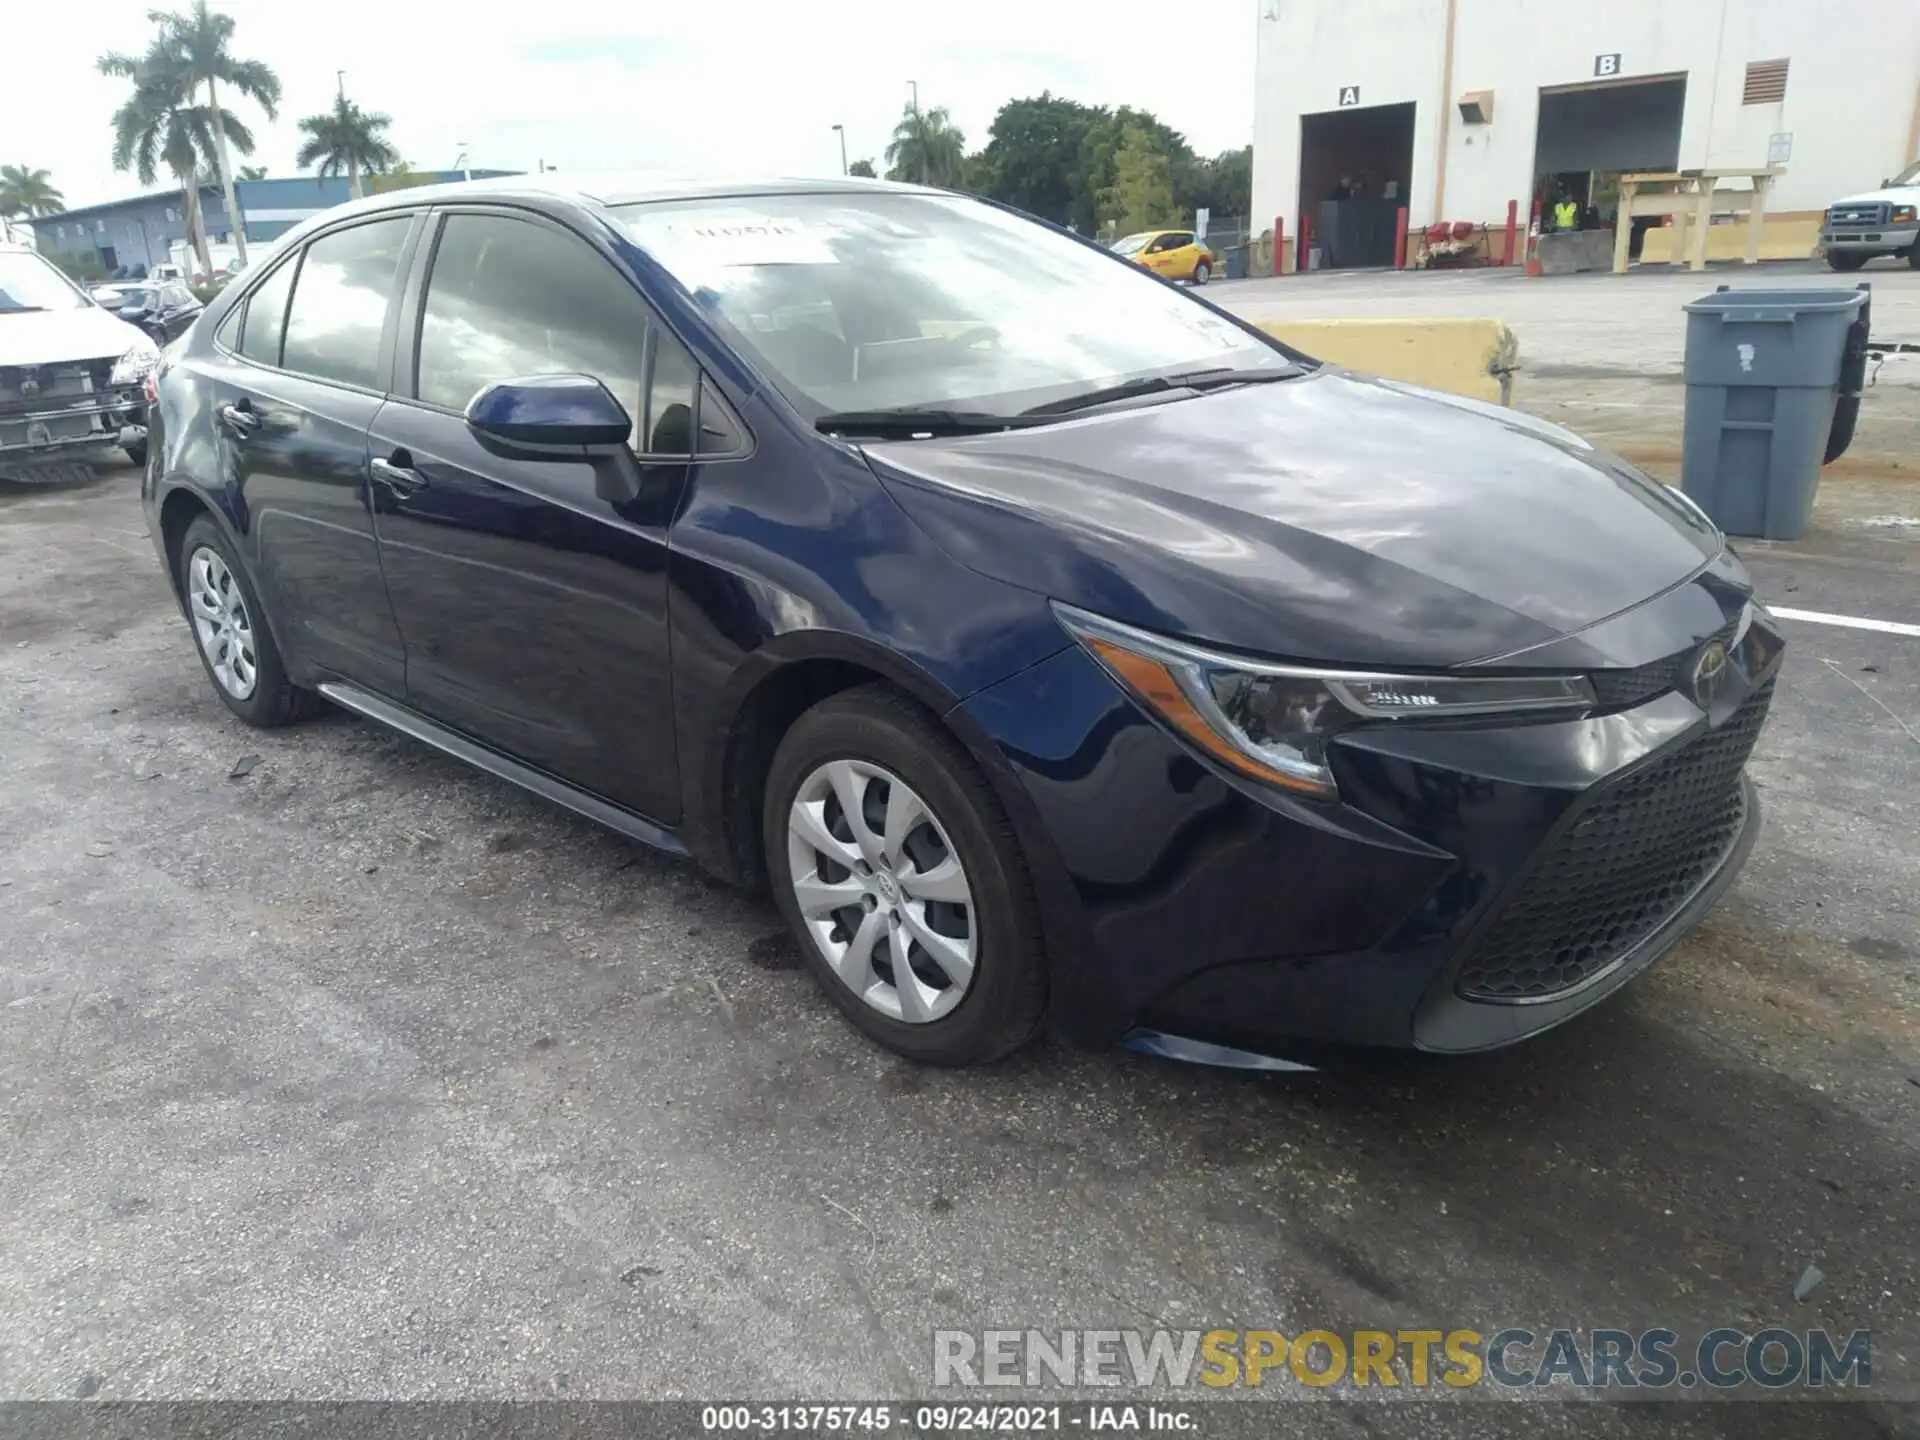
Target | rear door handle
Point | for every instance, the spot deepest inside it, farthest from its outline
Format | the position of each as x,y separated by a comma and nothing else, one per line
239,417
398,474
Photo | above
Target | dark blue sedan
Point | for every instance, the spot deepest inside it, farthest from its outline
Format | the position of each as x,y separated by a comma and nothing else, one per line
1056,647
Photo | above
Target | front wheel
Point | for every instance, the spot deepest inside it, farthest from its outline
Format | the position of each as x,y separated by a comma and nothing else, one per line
137,452
1202,272
1913,256
899,873
1845,260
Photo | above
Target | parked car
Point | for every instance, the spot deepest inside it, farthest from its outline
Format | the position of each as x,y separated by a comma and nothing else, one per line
1177,254
164,310
1879,222
1051,642
72,376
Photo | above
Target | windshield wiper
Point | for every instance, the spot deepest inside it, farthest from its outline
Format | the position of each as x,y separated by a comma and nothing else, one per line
912,422
1215,377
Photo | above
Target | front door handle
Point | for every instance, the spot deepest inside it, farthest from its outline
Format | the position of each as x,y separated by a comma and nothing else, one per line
239,417
398,474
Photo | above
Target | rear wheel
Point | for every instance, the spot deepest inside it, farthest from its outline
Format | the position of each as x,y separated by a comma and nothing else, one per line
892,861
1202,272
230,631
1845,260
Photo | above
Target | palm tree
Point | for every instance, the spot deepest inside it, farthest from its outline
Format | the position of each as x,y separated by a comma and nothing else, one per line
926,147
253,172
160,126
203,39
347,138
26,193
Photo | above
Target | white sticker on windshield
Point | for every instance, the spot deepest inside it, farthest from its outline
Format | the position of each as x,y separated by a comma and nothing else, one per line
743,240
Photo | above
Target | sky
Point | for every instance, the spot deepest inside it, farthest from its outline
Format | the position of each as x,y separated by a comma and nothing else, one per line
720,87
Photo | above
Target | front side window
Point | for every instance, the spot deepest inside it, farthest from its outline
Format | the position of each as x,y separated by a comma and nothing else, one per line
882,301
510,297
339,309
1132,244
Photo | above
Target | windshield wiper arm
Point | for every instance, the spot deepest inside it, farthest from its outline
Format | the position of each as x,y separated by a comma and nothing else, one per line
1212,378
911,422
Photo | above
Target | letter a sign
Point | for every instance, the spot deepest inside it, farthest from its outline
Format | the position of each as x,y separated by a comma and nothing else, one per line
1606,66
1349,94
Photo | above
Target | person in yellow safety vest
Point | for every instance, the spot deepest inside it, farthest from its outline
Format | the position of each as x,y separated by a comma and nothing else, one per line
1566,214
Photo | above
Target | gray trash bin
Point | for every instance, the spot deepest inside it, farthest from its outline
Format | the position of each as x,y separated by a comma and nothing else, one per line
1763,376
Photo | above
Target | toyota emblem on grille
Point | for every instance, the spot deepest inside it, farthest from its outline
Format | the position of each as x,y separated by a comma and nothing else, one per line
1709,673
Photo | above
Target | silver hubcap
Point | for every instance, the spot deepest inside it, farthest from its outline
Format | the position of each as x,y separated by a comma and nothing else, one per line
221,621
882,891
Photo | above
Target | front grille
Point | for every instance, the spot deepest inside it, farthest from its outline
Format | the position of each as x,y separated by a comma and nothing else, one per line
1624,689
29,387
1863,215
1611,879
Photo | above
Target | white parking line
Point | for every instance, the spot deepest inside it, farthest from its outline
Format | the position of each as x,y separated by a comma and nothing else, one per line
1849,622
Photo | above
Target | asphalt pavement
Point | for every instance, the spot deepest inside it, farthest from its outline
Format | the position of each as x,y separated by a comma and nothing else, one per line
330,1069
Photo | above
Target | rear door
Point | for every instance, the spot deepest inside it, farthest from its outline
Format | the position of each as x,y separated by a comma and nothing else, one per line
534,611
301,376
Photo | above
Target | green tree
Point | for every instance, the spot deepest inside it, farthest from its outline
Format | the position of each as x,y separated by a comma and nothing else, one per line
926,148
160,125
347,139
1141,195
201,40
1033,157
26,193
252,172
862,168
1099,157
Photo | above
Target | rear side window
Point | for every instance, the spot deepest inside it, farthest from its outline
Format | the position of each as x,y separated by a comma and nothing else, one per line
509,297
347,279
266,317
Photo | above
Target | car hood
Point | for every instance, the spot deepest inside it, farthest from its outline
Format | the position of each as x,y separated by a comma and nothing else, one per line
53,337
1891,195
1332,517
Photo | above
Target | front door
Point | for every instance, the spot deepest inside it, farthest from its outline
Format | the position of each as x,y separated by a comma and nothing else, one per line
292,408
534,611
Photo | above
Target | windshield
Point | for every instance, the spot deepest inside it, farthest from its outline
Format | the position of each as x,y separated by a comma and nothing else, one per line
132,299
1909,176
29,283
1132,244
865,301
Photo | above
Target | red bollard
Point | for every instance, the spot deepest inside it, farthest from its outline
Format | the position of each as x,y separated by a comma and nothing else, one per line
1513,222
1400,238
1306,244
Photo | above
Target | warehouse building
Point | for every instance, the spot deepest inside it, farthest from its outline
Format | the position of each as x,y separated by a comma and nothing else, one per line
142,229
1453,108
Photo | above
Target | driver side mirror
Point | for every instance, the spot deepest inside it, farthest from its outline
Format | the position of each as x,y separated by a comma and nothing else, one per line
560,417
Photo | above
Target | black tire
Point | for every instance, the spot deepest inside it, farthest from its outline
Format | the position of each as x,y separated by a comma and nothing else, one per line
275,700
137,453
1202,272
1845,261
1006,1003
1913,257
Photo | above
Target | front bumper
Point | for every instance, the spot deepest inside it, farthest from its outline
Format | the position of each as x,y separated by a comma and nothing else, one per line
52,411
1475,885
1879,240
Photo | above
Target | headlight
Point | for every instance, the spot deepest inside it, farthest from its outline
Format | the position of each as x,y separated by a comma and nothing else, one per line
1902,214
1274,722
134,366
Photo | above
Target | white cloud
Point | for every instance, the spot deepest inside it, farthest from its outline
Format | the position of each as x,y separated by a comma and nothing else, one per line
731,86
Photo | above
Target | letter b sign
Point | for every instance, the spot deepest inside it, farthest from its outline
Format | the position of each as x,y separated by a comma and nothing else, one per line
1606,66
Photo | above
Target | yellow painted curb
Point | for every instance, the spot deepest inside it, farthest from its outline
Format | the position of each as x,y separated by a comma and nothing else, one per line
1780,239
1476,358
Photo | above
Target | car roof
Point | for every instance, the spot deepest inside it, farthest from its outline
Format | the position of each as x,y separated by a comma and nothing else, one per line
619,187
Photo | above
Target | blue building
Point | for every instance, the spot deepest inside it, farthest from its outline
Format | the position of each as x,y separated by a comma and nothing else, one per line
141,230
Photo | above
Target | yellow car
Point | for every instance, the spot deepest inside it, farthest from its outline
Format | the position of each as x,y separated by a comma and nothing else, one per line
1176,254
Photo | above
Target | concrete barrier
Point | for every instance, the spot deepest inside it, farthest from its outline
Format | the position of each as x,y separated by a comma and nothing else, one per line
1476,358
1782,237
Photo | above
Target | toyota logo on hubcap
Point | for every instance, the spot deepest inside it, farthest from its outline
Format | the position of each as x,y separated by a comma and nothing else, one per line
1709,673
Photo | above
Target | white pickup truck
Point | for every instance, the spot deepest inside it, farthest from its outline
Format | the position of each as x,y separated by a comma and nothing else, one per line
1879,222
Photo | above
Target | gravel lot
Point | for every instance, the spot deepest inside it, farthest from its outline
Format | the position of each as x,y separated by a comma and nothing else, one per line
364,1075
